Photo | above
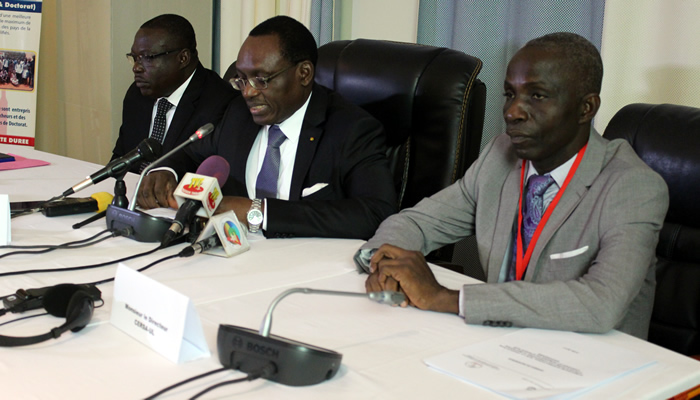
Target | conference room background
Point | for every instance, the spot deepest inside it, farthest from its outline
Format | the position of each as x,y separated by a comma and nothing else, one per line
648,46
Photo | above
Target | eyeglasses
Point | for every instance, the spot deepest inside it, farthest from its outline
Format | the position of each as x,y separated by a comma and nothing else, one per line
147,59
258,82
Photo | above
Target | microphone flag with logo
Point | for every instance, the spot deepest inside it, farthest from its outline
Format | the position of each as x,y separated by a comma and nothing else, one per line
198,194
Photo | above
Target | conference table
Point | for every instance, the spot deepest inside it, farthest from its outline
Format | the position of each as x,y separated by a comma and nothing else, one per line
383,347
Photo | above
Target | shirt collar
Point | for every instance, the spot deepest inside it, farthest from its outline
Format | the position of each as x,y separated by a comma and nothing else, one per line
291,127
558,174
176,95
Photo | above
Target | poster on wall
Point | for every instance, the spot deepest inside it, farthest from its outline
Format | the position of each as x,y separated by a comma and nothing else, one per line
20,29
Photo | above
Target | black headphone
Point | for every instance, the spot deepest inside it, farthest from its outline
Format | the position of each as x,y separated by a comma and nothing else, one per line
73,302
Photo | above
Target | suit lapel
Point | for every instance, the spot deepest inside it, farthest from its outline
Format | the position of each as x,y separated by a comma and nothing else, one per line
185,109
242,141
588,170
507,211
309,138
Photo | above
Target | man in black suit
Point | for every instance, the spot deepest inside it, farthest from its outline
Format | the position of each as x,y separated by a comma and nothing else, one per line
165,65
334,178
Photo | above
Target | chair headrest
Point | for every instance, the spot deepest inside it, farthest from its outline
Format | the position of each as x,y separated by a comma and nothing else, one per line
667,138
393,80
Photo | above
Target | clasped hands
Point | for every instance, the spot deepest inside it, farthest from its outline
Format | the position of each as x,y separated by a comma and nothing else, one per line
157,191
393,268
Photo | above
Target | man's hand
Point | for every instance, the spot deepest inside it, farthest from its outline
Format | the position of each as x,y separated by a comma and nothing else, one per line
394,268
239,205
157,190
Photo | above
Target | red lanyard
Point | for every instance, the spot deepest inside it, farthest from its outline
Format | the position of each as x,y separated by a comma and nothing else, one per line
521,261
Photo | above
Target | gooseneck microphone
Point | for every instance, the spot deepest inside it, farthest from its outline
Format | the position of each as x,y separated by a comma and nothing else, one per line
142,226
147,150
294,363
384,297
196,195
199,134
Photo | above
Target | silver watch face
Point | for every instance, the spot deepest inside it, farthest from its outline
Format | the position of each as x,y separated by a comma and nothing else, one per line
255,217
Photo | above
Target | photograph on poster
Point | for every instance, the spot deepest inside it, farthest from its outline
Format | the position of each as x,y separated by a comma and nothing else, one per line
17,70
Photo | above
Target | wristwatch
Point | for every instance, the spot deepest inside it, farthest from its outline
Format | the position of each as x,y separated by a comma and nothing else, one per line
255,216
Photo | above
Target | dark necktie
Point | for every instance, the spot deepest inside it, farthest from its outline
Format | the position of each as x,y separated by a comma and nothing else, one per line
158,132
533,208
266,184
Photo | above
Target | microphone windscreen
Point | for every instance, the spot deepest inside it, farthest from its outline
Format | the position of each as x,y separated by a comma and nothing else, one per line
103,200
216,167
150,149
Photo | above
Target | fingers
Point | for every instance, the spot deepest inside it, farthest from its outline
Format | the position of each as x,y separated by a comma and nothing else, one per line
386,251
157,190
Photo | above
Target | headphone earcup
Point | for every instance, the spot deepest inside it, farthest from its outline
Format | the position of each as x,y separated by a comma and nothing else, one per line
57,298
79,311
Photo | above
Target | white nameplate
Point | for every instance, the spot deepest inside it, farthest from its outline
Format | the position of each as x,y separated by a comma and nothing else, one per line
5,232
157,316
233,236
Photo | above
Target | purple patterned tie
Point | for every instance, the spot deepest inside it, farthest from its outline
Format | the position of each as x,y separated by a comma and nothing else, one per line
266,184
533,209
532,213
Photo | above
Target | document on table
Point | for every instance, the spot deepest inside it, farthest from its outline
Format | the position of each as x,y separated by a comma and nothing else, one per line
539,364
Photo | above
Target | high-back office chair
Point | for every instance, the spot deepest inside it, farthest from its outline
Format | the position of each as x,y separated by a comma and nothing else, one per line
667,138
428,99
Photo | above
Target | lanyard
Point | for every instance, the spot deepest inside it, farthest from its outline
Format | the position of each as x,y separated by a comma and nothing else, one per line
521,261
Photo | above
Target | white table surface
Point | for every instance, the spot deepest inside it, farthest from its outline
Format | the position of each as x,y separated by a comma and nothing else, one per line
383,347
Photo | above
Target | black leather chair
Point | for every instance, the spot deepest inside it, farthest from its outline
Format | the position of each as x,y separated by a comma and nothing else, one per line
428,99
667,138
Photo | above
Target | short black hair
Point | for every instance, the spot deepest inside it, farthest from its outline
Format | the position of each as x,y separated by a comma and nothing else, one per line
296,41
581,56
178,27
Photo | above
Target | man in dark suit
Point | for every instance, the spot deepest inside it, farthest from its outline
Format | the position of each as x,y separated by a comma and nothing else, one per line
331,176
165,65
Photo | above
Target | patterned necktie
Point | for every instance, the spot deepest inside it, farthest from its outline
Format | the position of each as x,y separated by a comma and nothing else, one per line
266,184
158,132
533,208
537,185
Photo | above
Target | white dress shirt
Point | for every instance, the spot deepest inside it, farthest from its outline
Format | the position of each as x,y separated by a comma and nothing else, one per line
174,99
291,127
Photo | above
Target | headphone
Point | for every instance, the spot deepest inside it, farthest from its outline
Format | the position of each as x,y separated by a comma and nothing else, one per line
73,302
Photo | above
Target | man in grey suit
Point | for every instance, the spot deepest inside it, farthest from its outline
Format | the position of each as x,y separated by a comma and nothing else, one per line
589,264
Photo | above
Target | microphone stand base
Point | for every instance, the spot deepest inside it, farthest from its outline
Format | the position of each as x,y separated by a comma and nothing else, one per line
142,227
296,363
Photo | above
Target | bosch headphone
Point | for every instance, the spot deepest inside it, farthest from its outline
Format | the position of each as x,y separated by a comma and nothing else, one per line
73,302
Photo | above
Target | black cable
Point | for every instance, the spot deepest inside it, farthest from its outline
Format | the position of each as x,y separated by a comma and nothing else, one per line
58,246
36,271
224,383
265,372
21,318
70,245
140,269
188,380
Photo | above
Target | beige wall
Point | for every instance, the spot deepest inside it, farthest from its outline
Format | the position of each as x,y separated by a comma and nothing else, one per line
83,72
650,54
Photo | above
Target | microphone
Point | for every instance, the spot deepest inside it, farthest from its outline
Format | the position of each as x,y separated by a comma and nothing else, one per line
201,246
141,226
223,235
148,150
199,134
198,192
294,363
